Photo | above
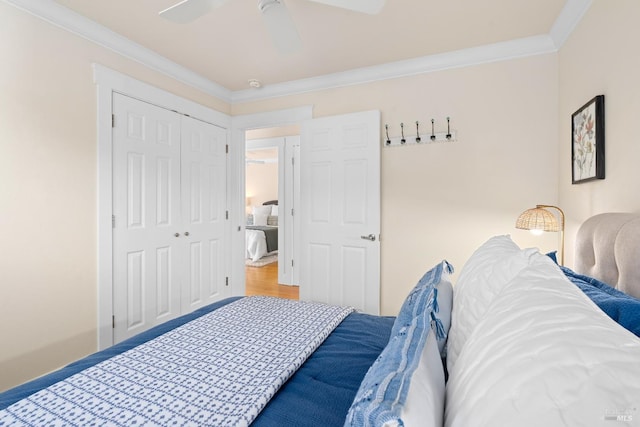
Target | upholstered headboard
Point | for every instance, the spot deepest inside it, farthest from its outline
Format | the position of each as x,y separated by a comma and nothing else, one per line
608,248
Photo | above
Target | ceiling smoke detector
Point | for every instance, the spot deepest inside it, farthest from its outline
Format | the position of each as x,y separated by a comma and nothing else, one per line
255,83
263,5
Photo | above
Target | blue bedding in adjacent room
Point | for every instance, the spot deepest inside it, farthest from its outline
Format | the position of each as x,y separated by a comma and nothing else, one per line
319,393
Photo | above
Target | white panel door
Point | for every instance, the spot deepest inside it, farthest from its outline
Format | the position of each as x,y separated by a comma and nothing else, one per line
203,211
340,203
146,193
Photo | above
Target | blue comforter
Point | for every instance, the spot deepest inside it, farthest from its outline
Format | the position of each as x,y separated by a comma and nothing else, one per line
322,390
319,393
621,307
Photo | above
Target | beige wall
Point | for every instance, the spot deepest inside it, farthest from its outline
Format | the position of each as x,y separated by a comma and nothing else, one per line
438,201
48,193
261,182
443,200
273,132
601,57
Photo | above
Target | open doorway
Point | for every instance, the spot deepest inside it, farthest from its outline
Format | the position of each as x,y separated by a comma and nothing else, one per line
354,279
271,196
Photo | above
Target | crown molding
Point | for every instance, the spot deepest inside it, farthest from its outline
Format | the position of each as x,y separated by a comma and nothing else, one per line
69,20
568,20
565,23
77,24
503,51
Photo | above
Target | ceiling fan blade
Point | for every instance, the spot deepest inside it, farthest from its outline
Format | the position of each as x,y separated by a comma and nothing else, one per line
190,10
372,7
280,25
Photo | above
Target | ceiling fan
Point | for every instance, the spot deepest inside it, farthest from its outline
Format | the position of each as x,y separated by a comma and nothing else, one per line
279,23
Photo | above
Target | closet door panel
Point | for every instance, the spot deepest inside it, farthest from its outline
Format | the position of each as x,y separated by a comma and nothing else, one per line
204,184
146,193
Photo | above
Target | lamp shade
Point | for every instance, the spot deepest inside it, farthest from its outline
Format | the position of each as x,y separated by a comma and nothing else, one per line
537,219
540,219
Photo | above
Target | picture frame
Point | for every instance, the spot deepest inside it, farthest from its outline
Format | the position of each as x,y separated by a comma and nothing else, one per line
587,141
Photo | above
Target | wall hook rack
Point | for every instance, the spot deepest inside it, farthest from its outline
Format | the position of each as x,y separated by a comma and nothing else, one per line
444,136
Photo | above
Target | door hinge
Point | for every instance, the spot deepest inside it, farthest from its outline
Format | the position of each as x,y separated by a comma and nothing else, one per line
293,161
226,148
226,281
292,211
113,120
291,263
113,221
226,215
113,322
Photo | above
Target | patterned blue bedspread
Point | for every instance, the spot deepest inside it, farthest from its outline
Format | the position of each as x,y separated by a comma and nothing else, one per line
218,369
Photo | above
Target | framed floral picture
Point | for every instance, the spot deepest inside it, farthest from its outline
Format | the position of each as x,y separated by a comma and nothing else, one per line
587,142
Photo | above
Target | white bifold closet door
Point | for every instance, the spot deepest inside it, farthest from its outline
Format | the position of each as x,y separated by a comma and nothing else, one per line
169,184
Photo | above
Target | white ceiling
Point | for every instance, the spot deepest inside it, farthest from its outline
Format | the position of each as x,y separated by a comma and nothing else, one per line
230,45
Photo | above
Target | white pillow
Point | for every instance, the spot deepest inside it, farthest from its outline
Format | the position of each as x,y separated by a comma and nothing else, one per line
424,405
260,215
262,210
544,355
482,277
260,220
274,210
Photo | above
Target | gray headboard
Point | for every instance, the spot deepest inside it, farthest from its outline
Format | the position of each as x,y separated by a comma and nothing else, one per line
608,248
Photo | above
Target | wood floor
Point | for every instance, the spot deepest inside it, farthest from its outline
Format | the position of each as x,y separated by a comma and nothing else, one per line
264,281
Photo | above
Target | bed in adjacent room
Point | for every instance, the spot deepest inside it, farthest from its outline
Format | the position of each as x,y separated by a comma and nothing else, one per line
261,231
521,344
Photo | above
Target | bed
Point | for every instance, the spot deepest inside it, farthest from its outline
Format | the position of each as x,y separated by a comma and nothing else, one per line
516,342
261,231
534,344
321,390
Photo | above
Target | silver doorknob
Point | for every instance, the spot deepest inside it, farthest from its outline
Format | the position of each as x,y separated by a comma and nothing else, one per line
371,237
177,234
186,233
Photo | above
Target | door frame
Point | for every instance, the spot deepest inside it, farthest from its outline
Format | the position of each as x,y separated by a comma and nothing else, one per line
107,82
288,200
237,186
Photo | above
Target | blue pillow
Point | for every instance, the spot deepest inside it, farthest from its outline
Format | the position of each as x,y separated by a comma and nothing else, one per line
383,391
621,307
417,300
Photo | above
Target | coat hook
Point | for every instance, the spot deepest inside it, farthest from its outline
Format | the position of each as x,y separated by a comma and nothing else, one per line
433,133
448,130
402,140
418,139
386,128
